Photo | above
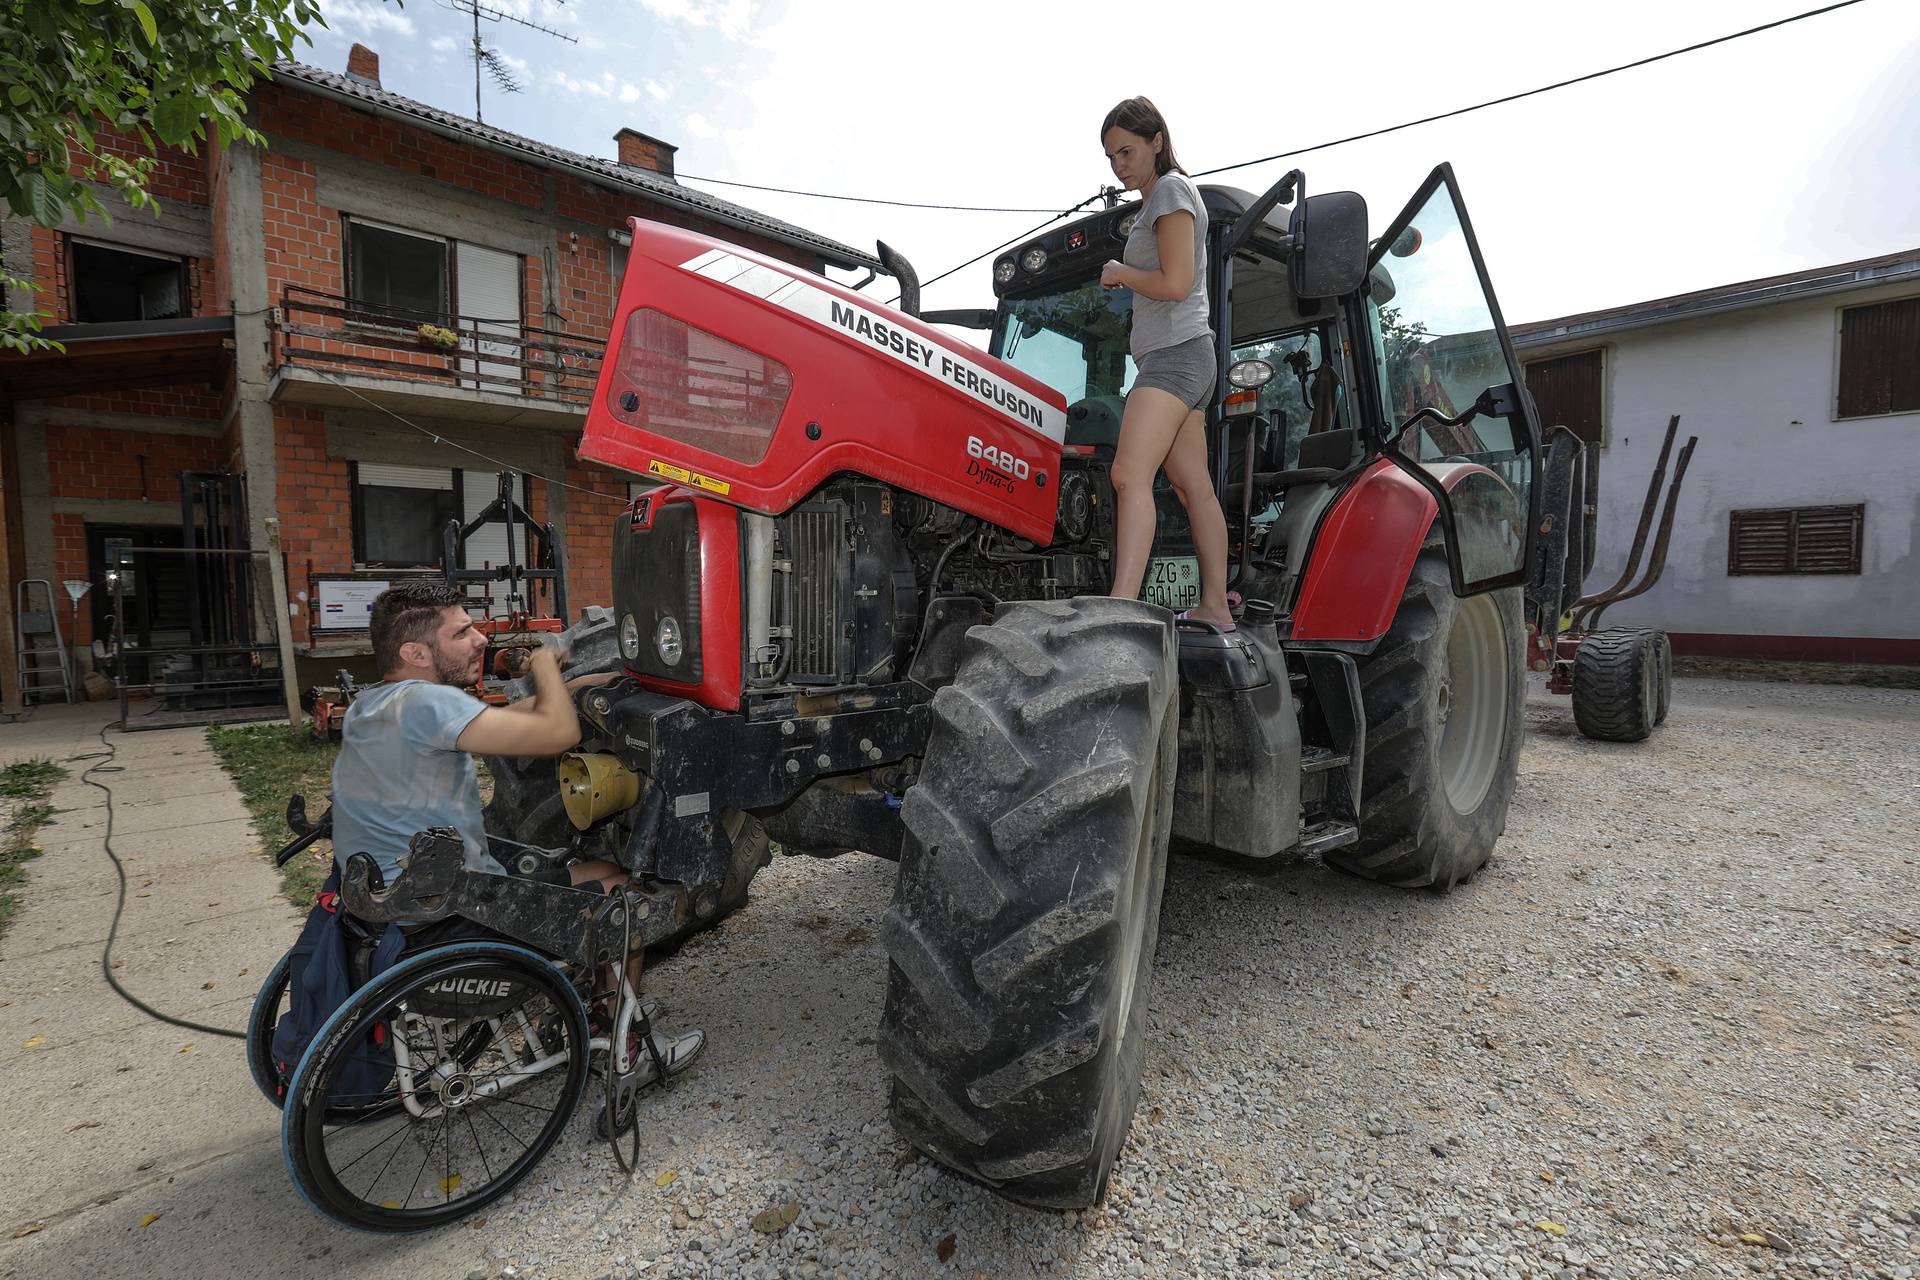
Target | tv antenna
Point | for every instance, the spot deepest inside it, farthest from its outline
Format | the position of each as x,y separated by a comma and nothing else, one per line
490,60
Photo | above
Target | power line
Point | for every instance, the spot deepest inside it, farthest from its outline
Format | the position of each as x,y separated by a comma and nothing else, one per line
897,204
1444,115
1515,97
1016,240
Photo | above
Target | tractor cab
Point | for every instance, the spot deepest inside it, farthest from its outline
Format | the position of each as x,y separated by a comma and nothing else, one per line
1339,356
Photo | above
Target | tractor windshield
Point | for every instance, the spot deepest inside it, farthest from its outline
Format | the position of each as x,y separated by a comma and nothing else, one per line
1075,340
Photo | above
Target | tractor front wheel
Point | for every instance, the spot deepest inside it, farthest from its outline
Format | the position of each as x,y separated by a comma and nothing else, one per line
1444,692
1026,912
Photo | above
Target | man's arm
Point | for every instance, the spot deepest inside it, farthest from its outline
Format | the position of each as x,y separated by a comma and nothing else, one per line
551,725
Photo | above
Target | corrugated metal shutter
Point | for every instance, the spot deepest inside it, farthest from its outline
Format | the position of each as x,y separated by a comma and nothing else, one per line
394,477
1880,359
489,286
1796,540
1566,391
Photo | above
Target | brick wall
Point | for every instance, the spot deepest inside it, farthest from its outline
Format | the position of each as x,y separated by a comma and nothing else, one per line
315,497
589,532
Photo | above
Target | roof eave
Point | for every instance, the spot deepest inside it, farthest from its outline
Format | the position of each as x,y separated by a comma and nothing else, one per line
843,256
1575,329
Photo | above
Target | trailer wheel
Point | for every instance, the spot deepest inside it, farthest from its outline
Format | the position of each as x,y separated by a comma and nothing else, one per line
1026,912
1443,692
1616,685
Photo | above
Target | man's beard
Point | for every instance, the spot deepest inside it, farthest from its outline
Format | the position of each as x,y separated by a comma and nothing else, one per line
453,671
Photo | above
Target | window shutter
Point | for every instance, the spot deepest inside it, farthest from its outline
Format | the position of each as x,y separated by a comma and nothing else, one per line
1566,391
1880,359
1796,540
395,477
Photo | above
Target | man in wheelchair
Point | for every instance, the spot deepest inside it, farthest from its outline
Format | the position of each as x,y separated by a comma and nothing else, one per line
472,983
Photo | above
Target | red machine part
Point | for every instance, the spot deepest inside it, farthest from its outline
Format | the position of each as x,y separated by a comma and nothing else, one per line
1360,561
745,378
722,629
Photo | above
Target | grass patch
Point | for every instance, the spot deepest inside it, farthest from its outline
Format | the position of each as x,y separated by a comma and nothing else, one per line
26,784
269,764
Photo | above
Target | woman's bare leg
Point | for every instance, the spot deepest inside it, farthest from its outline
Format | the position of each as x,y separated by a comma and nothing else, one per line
1152,421
1188,473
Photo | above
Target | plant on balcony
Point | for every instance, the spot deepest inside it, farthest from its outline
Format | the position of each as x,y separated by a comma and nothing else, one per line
435,336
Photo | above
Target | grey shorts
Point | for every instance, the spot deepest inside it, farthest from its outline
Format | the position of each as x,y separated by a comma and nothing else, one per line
1187,370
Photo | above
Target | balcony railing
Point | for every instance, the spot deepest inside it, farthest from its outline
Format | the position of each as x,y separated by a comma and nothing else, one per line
505,357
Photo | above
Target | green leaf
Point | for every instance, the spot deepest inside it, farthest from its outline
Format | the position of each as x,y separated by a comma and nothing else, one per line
19,95
176,118
39,201
147,23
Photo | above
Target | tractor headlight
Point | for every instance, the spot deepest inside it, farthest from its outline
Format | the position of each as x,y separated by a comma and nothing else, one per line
666,641
1247,374
629,638
1003,271
1034,260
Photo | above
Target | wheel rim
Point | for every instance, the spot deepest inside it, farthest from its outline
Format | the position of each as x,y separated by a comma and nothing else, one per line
474,1117
1473,703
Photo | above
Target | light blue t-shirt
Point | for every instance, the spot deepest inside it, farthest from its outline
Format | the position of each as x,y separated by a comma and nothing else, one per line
399,773
1156,323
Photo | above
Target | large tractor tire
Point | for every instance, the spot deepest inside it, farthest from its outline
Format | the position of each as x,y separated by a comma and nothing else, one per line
1664,675
1026,912
1444,692
1617,684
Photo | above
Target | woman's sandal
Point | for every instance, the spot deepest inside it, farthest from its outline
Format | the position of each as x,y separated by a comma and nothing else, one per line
1185,616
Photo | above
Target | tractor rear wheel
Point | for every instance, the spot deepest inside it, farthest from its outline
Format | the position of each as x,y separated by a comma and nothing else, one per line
1665,676
1026,912
1444,692
1616,685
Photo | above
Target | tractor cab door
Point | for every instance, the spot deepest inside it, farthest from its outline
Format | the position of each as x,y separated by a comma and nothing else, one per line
1455,410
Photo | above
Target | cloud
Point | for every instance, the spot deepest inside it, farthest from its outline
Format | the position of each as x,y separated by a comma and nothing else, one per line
444,44
602,88
659,91
629,92
699,126
366,17
731,18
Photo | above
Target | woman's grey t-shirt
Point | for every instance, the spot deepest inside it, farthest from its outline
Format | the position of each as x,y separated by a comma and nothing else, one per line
1158,324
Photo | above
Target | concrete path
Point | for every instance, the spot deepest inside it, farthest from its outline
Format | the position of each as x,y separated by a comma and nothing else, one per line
111,1116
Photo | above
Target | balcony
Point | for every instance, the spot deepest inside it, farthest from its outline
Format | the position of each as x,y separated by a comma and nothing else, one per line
332,350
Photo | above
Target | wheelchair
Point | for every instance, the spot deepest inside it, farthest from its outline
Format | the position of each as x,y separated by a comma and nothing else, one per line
445,1078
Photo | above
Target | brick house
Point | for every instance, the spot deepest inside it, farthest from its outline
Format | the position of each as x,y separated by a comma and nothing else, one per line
268,325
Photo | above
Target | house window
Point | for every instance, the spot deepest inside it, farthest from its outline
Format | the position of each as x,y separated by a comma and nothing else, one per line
395,272
1796,540
1879,359
1566,392
399,514
118,284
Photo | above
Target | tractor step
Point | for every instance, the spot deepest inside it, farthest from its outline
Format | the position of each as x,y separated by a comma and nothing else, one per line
1322,836
1319,760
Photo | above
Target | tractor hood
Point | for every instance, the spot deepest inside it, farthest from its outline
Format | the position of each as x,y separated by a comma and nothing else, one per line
752,380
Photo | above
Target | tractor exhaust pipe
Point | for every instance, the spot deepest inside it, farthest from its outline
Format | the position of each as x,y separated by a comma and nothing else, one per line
896,265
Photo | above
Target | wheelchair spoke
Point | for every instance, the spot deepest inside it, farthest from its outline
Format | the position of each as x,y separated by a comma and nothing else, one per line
480,1147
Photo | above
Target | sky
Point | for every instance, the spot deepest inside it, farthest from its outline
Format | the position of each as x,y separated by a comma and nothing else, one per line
1791,149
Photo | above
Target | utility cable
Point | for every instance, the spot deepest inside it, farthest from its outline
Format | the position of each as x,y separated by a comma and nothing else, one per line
1444,115
897,204
1528,93
105,765
1064,213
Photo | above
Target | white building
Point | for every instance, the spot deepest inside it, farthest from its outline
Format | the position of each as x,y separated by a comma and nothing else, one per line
1798,530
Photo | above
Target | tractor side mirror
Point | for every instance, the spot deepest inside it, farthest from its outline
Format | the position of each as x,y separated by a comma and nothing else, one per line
1329,245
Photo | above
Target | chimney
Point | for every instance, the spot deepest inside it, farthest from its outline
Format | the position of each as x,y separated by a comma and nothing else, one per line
363,64
638,151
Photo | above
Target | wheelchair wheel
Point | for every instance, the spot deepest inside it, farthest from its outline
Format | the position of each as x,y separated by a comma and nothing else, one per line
268,1008
489,1053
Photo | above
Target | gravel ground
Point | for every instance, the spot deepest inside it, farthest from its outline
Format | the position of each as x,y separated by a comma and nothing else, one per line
1672,1029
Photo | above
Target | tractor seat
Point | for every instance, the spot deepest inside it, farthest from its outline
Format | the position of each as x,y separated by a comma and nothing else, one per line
1323,456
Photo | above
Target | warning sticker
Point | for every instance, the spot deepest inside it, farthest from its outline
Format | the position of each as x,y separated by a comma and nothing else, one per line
692,479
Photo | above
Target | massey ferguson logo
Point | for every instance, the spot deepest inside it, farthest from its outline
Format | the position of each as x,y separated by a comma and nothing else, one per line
485,988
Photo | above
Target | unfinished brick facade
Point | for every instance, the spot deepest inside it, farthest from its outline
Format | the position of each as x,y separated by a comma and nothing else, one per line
312,385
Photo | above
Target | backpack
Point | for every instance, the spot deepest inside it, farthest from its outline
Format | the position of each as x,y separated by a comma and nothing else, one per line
330,960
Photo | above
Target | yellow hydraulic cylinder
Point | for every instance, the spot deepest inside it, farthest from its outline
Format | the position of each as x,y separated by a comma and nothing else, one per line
595,784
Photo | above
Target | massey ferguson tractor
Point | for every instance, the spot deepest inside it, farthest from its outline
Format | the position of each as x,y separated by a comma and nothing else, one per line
864,610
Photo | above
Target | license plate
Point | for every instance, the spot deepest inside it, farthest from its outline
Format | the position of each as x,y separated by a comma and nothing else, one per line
1173,582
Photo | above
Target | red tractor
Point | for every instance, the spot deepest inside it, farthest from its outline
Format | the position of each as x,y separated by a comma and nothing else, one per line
864,610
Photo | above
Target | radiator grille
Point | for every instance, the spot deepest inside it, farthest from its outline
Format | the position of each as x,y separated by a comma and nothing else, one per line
816,536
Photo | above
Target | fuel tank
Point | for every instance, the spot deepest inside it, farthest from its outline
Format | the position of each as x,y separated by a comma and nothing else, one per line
751,380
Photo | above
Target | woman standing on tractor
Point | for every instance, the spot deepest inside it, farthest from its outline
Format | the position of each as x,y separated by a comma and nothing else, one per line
1165,264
